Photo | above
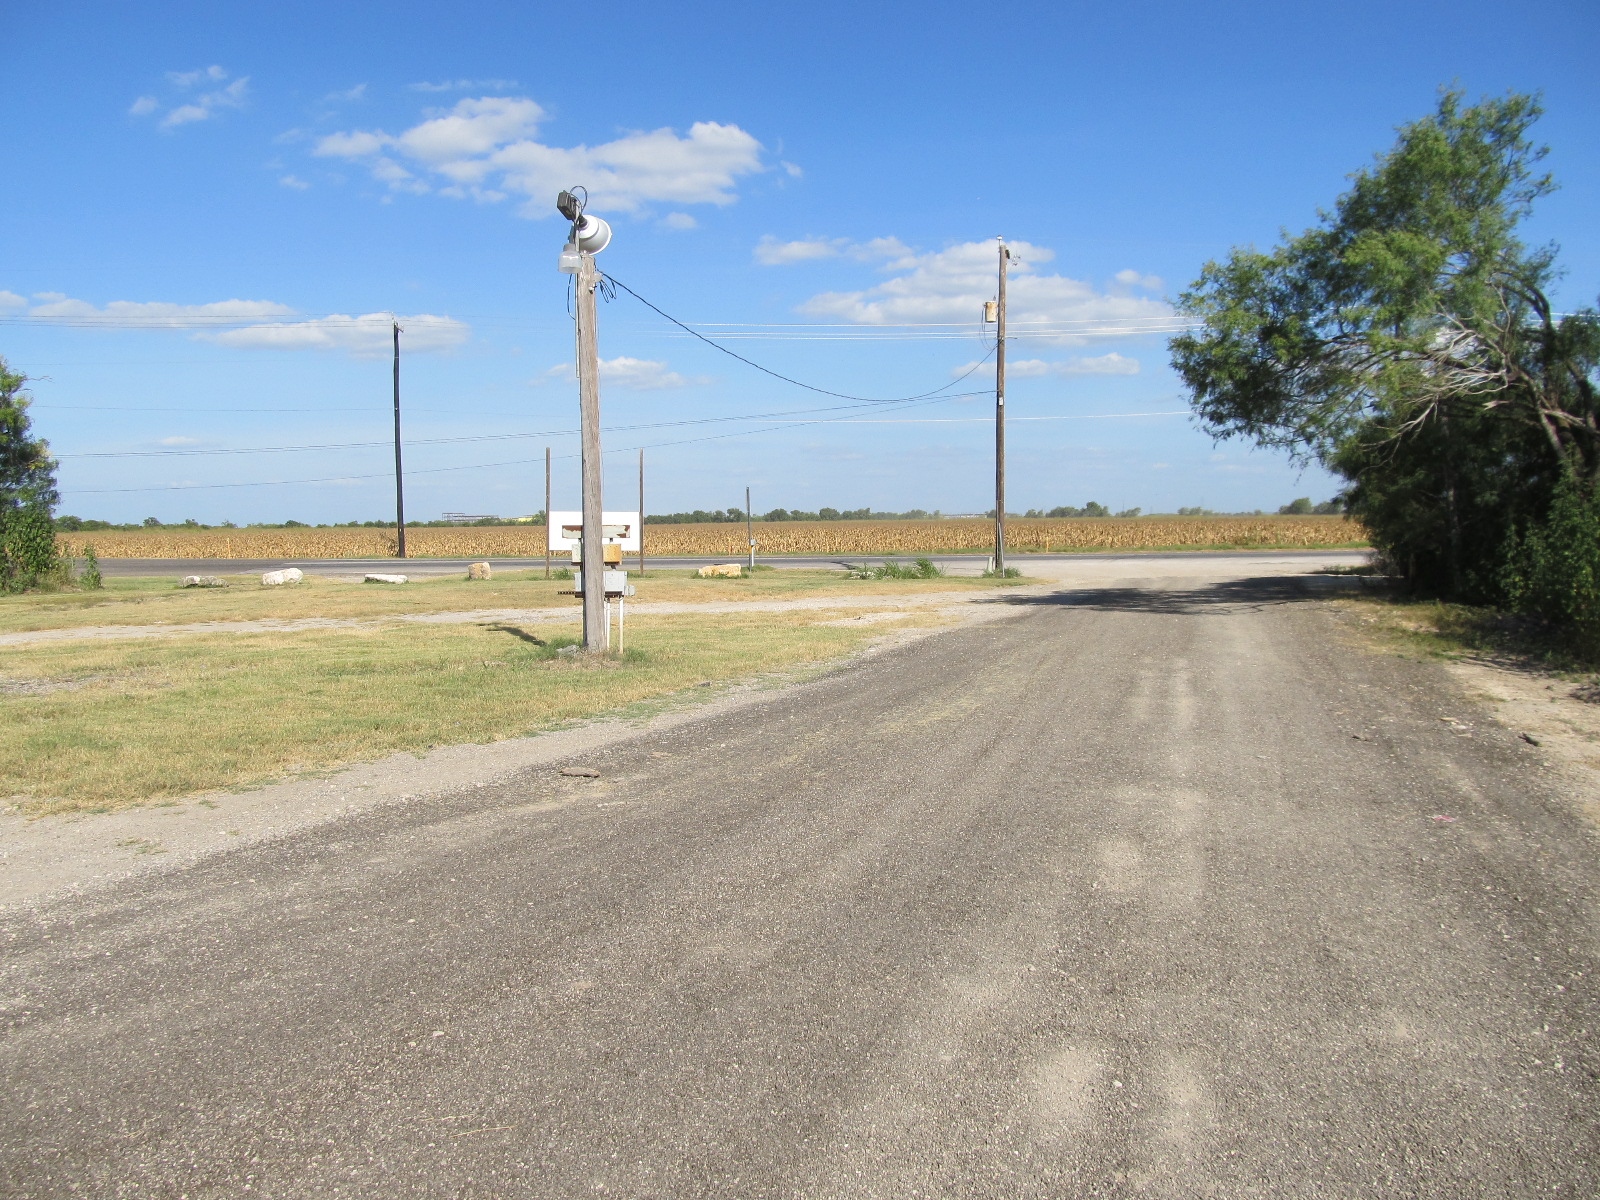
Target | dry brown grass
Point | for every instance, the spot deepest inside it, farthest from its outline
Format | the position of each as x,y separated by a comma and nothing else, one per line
778,537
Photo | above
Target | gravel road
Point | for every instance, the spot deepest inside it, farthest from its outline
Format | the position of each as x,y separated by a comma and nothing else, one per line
1157,890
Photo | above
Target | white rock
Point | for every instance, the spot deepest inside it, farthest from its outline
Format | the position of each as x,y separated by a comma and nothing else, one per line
279,578
204,581
375,578
478,570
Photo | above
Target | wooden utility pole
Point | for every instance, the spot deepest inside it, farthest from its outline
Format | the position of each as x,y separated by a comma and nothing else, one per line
1000,420
547,512
750,530
399,487
641,512
596,629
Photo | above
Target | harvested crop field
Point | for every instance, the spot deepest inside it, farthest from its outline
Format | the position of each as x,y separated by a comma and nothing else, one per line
776,537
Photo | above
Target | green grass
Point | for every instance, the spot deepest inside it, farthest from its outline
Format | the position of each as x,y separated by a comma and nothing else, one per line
154,720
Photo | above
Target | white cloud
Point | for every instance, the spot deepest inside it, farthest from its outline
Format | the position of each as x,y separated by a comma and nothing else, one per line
1038,368
680,222
951,286
12,300
179,441
633,374
349,95
366,336
793,171
295,182
485,148
201,107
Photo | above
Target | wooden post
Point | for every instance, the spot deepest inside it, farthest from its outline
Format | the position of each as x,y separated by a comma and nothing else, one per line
596,626
750,530
547,512
641,514
1000,421
399,488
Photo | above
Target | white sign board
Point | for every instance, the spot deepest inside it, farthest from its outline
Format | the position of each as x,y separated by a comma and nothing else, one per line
616,528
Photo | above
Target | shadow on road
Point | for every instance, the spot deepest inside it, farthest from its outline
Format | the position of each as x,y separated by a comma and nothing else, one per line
1212,599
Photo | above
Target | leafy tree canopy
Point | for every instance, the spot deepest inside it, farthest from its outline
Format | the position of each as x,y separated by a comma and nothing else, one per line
27,472
1412,299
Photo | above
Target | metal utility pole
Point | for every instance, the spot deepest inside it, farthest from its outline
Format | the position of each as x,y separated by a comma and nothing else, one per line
1000,420
596,628
750,530
641,512
399,487
547,512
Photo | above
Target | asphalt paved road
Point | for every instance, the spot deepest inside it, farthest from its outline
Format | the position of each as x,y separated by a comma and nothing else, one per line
1144,892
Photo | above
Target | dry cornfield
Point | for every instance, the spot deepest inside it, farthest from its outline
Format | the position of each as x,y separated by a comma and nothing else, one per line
777,537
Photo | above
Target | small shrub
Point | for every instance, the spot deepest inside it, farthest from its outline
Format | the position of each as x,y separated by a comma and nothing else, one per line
28,554
90,580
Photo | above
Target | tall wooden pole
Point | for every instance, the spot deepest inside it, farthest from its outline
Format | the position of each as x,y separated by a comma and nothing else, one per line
641,512
1000,421
399,487
547,512
596,628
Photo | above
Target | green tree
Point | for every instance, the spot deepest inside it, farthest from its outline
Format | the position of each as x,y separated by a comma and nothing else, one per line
1409,343
27,491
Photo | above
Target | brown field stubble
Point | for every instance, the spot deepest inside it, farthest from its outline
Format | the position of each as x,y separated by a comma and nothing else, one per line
776,537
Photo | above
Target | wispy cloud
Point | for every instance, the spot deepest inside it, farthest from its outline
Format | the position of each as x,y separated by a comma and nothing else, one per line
633,374
188,108
348,96
467,85
367,336
295,182
770,252
251,324
1038,368
487,148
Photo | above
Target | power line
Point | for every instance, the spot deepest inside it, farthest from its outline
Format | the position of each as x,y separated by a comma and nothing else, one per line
485,437
518,462
786,379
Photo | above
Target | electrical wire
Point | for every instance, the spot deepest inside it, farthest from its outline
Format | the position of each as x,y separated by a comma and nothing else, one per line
485,437
519,462
786,379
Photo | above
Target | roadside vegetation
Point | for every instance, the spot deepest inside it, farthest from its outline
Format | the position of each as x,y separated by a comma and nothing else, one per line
1409,343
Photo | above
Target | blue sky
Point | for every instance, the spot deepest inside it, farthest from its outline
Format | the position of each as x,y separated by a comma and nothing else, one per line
204,201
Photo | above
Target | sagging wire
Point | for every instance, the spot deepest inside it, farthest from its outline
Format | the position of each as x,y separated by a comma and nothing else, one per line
785,378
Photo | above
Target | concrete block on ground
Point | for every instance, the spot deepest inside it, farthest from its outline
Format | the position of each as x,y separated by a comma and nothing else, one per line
279,578
722,570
